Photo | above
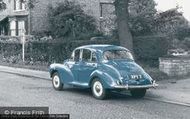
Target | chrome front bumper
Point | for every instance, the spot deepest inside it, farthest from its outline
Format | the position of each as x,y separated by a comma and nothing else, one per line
154,85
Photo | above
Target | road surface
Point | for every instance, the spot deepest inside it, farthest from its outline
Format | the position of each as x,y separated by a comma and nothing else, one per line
22,91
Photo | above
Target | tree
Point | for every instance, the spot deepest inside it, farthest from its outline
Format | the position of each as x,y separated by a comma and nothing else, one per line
2,5
68,20
182,32
141,17
172,23
122,13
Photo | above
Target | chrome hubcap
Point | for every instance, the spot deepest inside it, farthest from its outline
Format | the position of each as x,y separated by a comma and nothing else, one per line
56,81
97,88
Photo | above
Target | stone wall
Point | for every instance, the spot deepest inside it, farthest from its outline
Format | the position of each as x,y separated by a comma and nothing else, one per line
178,66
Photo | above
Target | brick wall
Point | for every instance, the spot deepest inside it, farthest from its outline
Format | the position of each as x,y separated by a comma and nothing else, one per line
175,66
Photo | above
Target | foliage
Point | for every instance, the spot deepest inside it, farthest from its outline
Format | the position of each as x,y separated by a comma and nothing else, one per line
186,42
2,5
69,20
150,47
141,16
44,51
146,49
171,23
182,31
145,20
156,74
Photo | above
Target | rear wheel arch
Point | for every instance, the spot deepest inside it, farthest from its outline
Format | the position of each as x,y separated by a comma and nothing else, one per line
98,89
92,79
106,80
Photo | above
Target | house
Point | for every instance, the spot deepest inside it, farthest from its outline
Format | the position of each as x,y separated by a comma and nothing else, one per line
17,19
13,20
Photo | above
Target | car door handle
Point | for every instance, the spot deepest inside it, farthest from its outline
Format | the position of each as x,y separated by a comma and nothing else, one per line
94,65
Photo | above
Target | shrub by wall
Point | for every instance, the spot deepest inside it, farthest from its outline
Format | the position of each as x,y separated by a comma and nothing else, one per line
149,48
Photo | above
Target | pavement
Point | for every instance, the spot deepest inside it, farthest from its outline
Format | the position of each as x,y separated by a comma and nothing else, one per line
25,72
173,91
169,91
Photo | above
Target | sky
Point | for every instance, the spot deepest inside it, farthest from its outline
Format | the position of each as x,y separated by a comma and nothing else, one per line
164,5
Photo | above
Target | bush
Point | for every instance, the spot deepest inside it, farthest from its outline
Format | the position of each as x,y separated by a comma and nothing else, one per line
149,48
156,74
186,42
68,20
38,52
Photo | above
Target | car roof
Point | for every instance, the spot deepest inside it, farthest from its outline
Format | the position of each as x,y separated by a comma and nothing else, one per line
101,47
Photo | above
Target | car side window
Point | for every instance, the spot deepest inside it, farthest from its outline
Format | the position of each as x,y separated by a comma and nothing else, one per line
77,56
93,59
86,56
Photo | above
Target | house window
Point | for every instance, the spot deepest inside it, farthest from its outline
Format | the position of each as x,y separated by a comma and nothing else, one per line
21,28
17,28
13,28
106,8
19,5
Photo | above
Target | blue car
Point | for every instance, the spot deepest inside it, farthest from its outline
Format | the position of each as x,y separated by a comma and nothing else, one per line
102,68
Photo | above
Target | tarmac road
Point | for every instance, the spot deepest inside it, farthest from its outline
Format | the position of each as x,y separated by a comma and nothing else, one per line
22,91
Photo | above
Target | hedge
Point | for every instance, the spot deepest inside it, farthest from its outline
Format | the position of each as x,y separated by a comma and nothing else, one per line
145,48
151,47
48,52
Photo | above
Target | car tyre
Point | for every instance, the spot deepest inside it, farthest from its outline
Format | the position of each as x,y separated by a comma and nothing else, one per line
56,81
98,90
138,93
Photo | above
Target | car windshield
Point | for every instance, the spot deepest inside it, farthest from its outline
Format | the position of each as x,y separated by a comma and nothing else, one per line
117,55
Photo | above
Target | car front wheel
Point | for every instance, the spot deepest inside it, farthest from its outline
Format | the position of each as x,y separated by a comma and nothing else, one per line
98,90
138,93
56,81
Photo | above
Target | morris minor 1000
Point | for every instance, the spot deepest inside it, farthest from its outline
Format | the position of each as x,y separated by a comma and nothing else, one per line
102,68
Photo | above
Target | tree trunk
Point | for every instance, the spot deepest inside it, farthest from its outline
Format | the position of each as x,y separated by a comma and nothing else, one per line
125,37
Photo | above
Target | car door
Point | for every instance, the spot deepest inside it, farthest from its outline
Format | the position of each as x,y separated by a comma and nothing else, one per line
74,64
87,65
